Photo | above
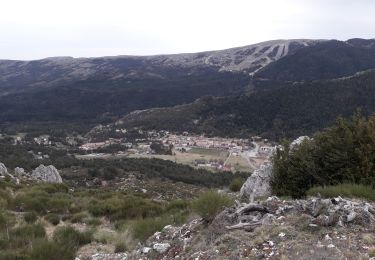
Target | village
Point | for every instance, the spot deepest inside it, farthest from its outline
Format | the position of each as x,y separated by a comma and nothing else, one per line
199,151
213,153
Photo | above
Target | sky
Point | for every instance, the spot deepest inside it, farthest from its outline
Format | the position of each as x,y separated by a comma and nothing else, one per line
34,29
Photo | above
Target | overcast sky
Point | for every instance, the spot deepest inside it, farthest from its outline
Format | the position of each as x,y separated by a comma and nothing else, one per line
32,29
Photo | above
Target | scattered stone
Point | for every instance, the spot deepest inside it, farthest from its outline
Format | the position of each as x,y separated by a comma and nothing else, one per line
161,247
327,237
146,250
115,256
352,215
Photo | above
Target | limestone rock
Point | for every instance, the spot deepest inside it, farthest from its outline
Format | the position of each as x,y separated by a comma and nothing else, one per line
19,171
3,170
258,184
299,141
105,256
161,247
46,174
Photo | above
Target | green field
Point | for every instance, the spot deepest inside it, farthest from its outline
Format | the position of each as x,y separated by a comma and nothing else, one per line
211,152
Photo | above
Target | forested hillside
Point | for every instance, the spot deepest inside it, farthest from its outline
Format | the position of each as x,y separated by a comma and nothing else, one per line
344,153
326,60
295,110
101,101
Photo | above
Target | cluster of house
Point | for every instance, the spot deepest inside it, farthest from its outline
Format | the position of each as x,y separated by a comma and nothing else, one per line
110,141
43,140
215,164
186,142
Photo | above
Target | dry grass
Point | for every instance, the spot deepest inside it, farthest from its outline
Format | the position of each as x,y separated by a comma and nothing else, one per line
345,190
368,239
371,252
188,157
239,163
117,238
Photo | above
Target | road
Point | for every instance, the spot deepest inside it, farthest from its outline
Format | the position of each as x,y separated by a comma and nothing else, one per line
252,153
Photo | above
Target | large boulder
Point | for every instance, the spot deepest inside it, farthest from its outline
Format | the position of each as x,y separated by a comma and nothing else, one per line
299,141
19,172
258,184
46,174
3,170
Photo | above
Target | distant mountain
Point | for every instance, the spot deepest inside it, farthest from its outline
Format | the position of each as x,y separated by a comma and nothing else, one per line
100,90
15,75
295,110
326,60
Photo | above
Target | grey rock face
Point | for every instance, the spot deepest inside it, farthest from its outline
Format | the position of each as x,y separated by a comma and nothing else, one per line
299,141
3,170
19,172
258,184
161,247
46,174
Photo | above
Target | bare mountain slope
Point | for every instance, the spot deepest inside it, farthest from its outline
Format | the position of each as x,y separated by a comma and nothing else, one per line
16,75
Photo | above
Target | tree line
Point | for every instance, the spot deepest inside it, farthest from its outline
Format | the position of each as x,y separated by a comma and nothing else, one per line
344,153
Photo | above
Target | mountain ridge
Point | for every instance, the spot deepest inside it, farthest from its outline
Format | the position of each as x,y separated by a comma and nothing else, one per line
290,111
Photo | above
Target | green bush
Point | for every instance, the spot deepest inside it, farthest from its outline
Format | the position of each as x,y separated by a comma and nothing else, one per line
31,202
71,238
344,190
23,235
52,218
3,203
78,217
40,201
13,255
344,153
120,246
236,184
125,207
208,204
92,221
144,228
30,217
50,250
51,188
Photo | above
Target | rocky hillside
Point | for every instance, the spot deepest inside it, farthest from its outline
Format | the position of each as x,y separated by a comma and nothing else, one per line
62,70
326,60
278,229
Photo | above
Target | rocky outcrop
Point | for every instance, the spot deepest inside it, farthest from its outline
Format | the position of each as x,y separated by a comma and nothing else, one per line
322,212
3,170
19,172
299,141
161,247
46,174
258,184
